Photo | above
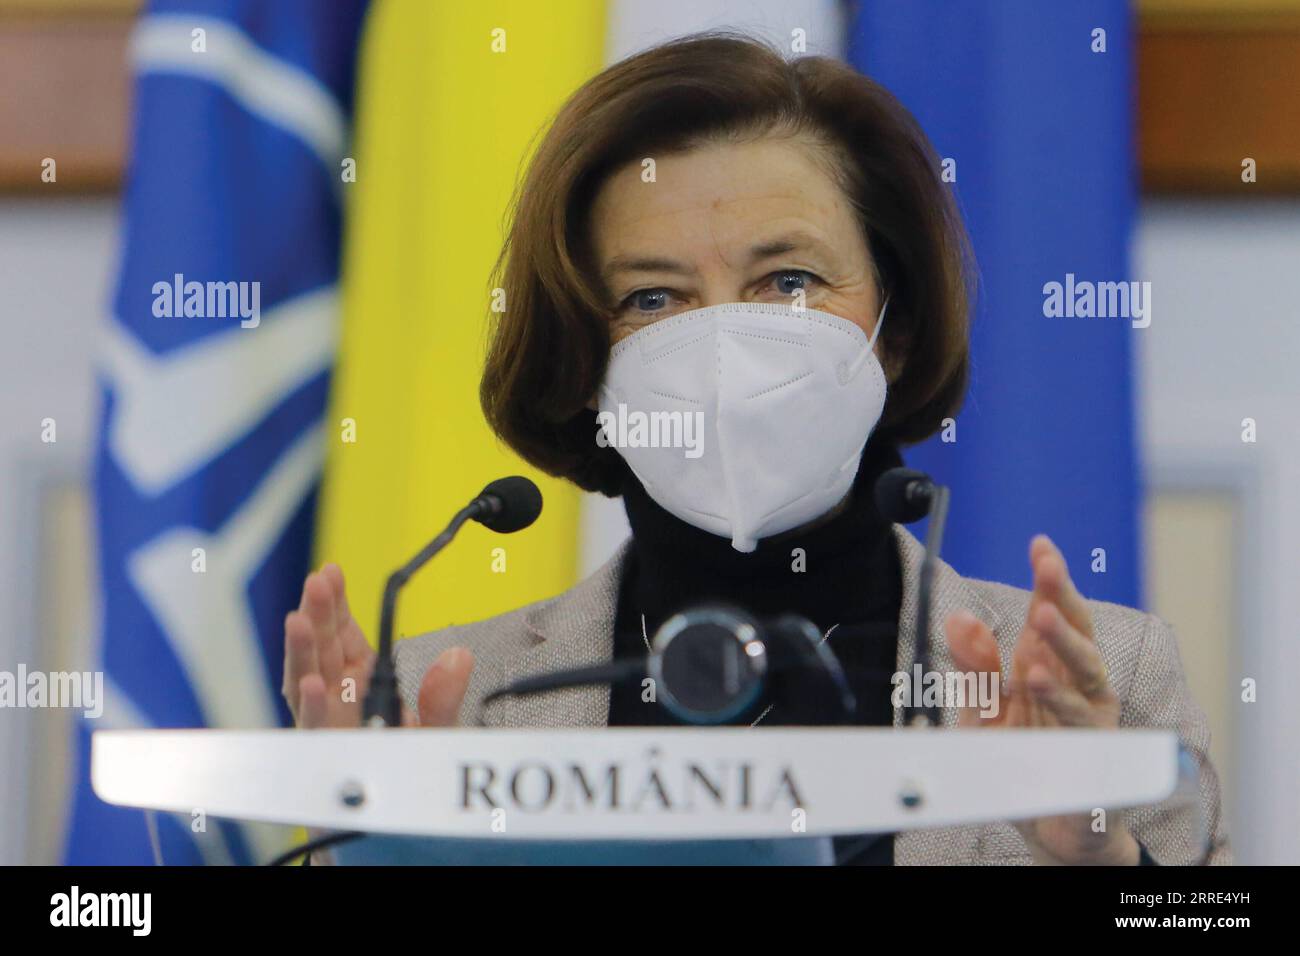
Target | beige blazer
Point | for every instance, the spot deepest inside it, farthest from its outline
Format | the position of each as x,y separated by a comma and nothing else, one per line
575,629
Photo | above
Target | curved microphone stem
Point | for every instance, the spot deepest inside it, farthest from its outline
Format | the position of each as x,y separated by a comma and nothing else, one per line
611,673
383,705
922,715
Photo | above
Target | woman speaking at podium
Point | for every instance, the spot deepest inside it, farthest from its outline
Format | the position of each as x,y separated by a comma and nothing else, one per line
709,226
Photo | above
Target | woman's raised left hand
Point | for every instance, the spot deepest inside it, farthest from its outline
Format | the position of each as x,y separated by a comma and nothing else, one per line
1057,679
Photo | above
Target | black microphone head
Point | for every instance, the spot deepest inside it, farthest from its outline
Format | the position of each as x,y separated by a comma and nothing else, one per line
897,499
513,504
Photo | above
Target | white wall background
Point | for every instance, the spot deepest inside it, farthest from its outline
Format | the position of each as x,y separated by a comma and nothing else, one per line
56,261
1224,345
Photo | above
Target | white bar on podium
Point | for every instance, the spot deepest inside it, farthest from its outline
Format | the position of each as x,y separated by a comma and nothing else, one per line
633,783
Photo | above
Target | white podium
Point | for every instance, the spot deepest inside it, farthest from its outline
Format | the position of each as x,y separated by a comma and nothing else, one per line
633,783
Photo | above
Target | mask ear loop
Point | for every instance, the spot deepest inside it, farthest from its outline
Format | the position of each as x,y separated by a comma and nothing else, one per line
871,344
880,324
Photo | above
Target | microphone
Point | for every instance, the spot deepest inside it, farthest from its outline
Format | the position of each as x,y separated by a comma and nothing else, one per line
904,495
508,504
504,506
711,663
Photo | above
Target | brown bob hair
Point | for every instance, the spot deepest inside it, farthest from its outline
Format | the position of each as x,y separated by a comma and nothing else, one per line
549,348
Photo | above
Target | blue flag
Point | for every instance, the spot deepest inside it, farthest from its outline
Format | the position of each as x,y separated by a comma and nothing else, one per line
1030,105
214,369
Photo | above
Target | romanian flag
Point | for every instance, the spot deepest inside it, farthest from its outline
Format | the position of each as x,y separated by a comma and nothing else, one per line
451,97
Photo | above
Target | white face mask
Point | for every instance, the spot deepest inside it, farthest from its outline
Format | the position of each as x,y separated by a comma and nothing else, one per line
744,419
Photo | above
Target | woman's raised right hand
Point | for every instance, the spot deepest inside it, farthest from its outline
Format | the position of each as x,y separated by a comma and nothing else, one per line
327,663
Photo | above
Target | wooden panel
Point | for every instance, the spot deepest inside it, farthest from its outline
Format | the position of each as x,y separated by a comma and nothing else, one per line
1218,14
80,8
1218,81
66,96
1218,84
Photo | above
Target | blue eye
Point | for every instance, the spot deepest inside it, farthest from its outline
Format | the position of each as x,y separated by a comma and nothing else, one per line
649,300
791,281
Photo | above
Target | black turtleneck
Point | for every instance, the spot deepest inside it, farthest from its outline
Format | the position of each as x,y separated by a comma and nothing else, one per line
845,578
